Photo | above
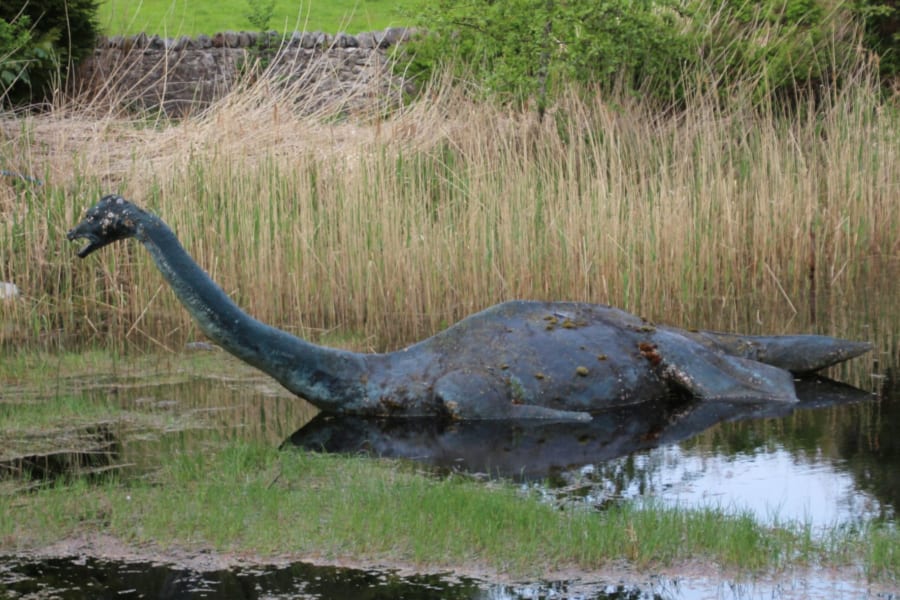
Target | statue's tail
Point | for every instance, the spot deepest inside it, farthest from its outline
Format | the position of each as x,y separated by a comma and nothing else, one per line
799,354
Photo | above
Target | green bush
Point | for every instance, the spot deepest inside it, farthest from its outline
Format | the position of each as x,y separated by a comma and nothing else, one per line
782,48
881,19
520,49
668,49
40,40
13,37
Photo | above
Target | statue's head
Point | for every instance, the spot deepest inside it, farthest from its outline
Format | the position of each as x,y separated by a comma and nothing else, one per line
113,218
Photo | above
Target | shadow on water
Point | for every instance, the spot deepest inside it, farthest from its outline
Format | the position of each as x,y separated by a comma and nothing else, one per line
89,451
125,423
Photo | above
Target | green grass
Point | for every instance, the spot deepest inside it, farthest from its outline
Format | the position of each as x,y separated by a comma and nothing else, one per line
253,499
38,372
61,411
173,18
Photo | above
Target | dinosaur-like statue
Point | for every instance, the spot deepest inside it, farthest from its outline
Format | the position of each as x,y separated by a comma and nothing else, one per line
515,360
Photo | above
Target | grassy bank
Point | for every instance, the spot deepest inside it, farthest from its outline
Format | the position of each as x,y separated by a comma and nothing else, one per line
170,18
392,228
252,499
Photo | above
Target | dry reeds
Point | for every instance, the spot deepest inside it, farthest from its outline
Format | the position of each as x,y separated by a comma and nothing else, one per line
389,228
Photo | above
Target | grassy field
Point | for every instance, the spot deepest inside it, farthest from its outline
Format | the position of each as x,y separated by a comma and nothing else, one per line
173,18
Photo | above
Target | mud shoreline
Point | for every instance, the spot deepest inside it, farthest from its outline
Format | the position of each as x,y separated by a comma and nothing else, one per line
695,578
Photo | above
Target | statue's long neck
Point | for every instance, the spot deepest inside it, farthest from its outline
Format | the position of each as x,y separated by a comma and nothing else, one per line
330,379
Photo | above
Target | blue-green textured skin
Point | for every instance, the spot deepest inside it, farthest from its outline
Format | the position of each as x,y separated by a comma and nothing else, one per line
515,360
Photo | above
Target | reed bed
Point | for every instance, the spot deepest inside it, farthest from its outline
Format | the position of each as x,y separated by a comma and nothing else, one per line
377,230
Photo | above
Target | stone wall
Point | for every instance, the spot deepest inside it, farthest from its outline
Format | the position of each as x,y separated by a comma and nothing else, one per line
180,76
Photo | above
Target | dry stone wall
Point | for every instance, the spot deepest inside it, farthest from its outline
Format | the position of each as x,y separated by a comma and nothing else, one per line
180,76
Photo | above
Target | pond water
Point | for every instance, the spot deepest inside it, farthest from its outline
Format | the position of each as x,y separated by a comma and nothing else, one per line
83,578
832,459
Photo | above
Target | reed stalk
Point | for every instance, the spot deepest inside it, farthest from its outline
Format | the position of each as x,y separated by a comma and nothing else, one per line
388,228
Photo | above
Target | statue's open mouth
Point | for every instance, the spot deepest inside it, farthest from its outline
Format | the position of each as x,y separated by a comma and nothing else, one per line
94,242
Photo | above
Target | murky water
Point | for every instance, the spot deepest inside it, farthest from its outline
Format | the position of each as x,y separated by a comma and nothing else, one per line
833,459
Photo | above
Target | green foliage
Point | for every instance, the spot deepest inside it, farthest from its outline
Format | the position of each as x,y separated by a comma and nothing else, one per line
13,67
881,19
260,12
39,41
23,59
522,48
70,25
782,47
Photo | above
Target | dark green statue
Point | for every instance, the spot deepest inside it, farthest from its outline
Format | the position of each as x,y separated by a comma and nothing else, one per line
516,360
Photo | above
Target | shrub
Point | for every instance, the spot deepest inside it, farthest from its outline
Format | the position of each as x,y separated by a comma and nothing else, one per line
42,39
782,48
259,13
668,49
518,49
881,19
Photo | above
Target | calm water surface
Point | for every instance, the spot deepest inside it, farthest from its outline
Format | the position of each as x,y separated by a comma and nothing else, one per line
86,578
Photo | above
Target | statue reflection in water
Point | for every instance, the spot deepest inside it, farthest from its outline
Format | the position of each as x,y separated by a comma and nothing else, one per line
537,449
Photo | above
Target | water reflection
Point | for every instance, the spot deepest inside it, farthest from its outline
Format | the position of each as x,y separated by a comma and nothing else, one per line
840,465
780,461
77,578
539,449
81,451
774,485
868,444
71,579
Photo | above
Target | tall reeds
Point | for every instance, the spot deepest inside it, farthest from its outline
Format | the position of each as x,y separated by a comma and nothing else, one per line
720,215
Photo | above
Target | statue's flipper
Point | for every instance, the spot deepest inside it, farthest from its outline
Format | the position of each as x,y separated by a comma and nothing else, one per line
533,411
797,353
712,375
475,394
